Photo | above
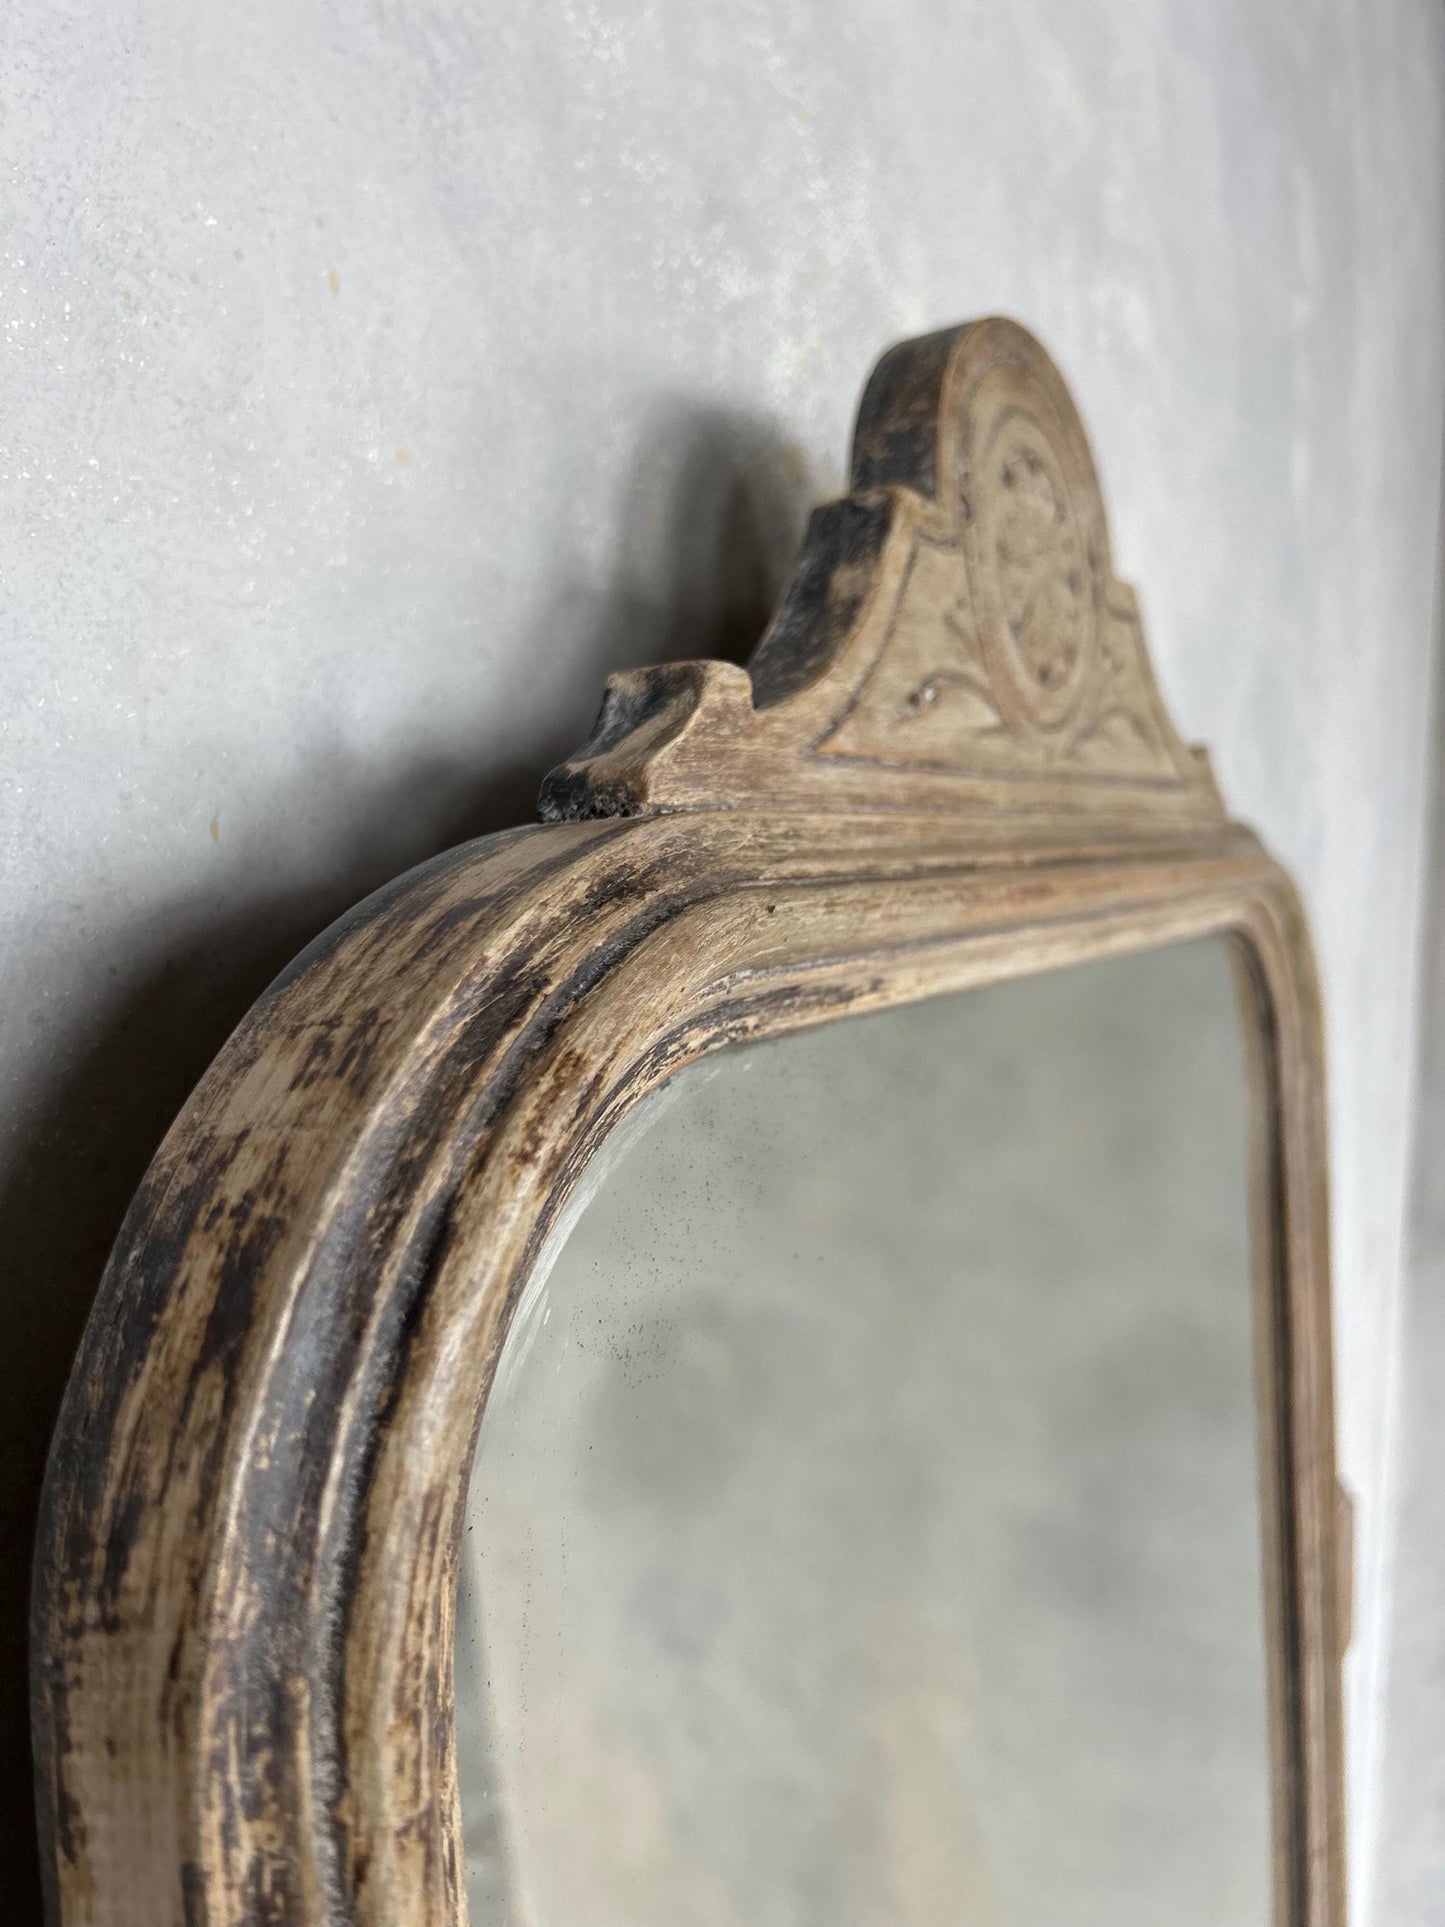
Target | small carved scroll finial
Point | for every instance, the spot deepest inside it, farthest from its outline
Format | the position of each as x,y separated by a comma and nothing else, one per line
952,636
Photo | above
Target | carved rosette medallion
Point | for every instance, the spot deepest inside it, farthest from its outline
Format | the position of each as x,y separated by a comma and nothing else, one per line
1035,574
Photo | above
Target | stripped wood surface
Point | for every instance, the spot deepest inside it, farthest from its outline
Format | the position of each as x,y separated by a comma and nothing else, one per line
948,764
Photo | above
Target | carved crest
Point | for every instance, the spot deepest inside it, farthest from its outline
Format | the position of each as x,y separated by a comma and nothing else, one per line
952,636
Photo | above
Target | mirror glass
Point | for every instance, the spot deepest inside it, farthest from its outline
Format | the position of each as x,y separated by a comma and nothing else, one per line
865,1525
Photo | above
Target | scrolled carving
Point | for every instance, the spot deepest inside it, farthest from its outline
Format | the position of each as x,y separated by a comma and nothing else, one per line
953,635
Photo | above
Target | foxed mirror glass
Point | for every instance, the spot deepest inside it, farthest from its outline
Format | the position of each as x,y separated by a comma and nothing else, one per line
866,1520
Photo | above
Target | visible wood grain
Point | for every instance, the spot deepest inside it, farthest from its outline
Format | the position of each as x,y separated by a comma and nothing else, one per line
246,1570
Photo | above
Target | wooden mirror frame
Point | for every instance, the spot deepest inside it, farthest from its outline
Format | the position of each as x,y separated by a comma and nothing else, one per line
948,764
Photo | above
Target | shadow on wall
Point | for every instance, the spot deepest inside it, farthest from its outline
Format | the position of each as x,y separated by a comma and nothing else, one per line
712,521
713,518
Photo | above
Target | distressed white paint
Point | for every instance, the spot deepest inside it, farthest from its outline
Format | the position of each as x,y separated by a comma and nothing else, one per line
375,376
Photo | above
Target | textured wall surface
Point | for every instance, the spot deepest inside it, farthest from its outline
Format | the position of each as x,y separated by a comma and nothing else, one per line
1410,1857
376,376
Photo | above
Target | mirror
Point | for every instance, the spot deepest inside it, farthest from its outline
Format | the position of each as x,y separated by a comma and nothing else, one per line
892,1506
865,1522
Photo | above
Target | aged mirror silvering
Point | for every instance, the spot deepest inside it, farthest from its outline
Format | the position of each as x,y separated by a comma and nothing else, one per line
866,1521
756,1351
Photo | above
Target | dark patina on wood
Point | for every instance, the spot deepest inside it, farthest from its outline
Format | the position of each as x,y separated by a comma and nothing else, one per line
949,763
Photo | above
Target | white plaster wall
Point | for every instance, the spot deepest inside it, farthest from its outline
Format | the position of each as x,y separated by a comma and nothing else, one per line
376,376
1410,1855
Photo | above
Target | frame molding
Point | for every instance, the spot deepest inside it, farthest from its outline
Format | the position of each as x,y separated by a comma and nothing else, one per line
949,764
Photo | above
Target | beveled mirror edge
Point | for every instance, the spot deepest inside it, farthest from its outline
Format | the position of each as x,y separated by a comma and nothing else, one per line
246,1566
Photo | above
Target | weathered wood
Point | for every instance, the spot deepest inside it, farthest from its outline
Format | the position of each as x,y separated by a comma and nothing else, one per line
953,635
949,765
